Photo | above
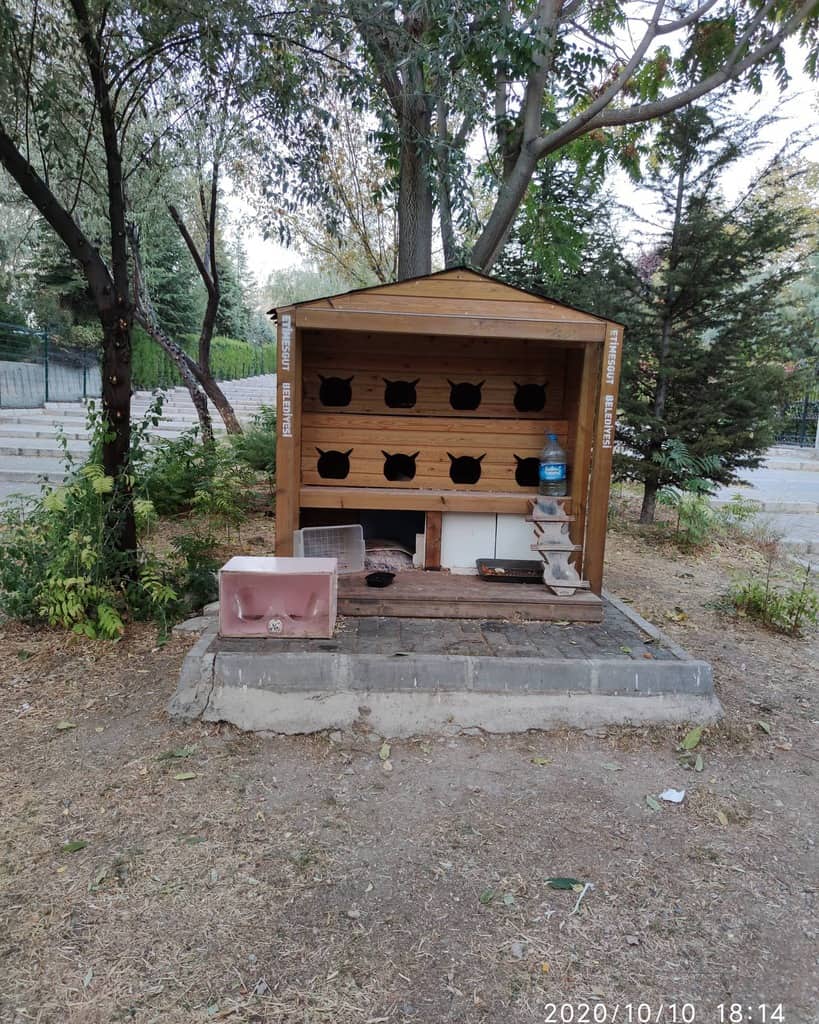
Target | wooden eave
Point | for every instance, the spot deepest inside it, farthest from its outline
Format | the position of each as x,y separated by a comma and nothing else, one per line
451,302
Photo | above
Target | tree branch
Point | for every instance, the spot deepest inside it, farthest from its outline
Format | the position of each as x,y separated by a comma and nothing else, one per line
55,214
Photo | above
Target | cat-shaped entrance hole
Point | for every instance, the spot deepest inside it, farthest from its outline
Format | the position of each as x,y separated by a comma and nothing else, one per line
529,397
465,396
399,466
400,394
333,465
465,469
335,391
526,471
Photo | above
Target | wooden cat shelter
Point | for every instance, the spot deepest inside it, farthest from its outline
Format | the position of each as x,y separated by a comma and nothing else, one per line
429,398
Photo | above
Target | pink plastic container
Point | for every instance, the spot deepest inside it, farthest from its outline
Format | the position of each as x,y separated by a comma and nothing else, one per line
277,597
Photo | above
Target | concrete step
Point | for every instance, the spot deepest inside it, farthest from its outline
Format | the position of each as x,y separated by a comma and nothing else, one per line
10,490
782,451
770,505
41,450
801,547
77,424
33,430
17,469
807,465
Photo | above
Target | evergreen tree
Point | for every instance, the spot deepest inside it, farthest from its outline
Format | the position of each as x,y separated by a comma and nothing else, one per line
704,335
177,292
59,295
554,230
233,317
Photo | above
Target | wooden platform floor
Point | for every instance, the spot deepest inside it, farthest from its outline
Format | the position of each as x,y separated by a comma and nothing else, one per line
441,595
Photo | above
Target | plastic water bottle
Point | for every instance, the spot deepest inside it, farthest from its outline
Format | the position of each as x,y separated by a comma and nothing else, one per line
552,469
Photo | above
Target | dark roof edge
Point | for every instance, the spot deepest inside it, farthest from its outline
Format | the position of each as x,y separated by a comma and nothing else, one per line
436,273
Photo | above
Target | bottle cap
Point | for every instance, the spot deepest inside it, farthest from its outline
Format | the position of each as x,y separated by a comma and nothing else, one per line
552,437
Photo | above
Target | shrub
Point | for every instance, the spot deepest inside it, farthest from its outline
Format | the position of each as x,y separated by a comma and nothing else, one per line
738,514
59,561
225,497
782,605
256,447
696,520
174,471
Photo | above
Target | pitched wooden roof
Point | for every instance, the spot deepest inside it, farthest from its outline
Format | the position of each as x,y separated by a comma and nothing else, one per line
451,301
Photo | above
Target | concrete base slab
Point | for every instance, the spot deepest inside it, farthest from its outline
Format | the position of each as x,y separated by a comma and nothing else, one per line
491,682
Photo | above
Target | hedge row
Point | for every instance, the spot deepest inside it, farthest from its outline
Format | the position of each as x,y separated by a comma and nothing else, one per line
229,358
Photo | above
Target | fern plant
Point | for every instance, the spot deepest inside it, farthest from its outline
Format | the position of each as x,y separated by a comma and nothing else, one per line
59,562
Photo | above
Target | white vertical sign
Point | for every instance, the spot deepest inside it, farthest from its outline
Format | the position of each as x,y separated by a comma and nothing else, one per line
287,339
607,439
287,409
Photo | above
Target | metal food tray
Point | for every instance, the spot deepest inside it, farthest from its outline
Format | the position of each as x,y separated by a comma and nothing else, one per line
510,570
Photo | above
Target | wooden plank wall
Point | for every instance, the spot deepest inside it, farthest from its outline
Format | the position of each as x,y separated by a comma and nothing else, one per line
367,427
435,438
370,359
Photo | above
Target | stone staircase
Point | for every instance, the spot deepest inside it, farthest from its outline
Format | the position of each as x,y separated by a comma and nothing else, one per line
30,452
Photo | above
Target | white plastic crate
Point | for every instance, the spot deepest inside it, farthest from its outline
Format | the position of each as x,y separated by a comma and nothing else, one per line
344,543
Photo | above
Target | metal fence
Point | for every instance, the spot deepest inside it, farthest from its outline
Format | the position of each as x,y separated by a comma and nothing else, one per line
799,420
35,368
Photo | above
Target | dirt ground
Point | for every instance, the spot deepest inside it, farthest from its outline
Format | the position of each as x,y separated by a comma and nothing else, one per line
298,880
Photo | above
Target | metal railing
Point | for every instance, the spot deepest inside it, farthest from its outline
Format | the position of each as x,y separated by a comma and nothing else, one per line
36,368
799,420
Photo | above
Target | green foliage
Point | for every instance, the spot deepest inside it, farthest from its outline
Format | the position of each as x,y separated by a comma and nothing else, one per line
171,473
556,223
738,514
230,359
696,520
783,605
197,579
173,282
298,284
225,498
704,350
59,562
256,447
676,465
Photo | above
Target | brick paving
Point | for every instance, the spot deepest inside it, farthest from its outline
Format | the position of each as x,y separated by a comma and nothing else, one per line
615,637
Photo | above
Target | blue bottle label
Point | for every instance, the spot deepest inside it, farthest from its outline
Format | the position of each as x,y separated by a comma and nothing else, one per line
552,471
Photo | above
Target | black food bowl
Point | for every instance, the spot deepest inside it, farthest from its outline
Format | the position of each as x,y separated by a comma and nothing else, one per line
379,579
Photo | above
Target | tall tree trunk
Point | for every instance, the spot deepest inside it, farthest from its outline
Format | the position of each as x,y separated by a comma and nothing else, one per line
217,396
146,316
649,506
445,187
180,360
493,237
208,271
415,188
116,405
116,311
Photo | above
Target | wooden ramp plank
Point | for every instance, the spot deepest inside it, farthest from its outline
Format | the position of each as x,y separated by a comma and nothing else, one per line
417,594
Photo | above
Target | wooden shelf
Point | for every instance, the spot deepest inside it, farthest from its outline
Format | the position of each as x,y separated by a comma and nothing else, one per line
417,500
